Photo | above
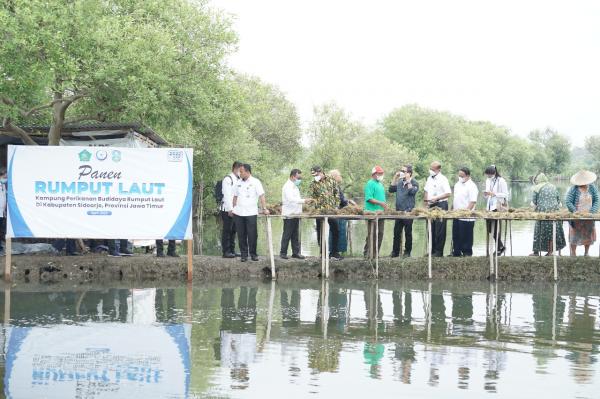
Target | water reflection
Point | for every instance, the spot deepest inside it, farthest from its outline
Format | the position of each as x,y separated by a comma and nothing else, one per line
254,339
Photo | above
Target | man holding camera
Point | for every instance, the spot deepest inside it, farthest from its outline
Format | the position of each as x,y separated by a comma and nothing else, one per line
406,188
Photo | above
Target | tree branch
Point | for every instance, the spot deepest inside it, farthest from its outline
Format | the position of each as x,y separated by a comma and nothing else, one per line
22,134
24,113
98,117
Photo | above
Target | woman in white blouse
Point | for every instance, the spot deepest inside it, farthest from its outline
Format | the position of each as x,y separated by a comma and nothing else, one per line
496,194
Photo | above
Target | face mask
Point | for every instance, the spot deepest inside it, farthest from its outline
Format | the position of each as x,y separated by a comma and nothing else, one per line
432,173
297,182
490,176
379,177
317,178
461,179
402,175
3,180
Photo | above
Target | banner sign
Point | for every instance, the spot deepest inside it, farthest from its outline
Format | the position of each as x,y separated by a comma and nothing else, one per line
99,192
98,360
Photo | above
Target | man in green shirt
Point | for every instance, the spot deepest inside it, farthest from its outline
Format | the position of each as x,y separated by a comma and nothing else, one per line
374,202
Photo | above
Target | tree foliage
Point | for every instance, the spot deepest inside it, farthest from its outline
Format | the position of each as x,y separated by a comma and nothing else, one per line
157,62
339,142
553,151
455,141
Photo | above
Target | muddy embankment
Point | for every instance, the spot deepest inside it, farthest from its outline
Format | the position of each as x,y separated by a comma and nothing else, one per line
100,269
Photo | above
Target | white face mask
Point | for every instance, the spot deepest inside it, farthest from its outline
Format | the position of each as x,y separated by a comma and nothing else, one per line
401,175
432,173
462,179
379,177
317,178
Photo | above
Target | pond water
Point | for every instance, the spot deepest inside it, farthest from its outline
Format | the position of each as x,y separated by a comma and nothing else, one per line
520,231
303,339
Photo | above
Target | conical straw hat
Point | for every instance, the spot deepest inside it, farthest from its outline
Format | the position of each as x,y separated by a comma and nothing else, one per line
583,178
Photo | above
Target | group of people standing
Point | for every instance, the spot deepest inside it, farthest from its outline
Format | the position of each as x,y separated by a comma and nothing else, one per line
243,193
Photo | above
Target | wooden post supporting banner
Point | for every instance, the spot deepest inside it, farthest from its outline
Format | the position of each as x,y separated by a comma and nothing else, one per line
189,301
429,245
326,238
270,244
555,252
8,260
376,247
7,305
190,259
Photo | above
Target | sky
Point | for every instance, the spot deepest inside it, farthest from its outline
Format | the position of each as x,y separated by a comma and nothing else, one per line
523,64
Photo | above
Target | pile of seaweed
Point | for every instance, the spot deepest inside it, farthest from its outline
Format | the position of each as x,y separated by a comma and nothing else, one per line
437,213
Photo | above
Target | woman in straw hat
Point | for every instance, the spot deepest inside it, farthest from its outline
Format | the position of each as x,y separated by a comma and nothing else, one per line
582,197
546,199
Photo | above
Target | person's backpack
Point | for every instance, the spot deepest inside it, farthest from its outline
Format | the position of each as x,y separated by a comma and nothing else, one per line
218,193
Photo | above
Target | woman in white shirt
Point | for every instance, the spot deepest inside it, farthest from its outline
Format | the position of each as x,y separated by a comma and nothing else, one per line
496,194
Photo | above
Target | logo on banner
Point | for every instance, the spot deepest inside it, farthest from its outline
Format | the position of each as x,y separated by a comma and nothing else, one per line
101,155
175,155
85,156
116,155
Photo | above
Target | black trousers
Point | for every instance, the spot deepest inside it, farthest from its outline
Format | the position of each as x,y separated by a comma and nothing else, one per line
462,237
68,244
334,229
170,247
123,244
228,234
247,233
291,232
399,226
438,232
492,225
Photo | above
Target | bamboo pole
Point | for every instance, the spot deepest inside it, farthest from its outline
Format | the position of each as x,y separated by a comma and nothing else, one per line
8,259
270,310
376,243
270,245
370,238
189,301
322,232
498,224
554,300
505,234
491,256
487,240
554,250
511,243
429,246
6,305
190,259
326,238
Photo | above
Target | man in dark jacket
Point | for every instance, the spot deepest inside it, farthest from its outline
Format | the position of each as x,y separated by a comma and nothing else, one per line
406,189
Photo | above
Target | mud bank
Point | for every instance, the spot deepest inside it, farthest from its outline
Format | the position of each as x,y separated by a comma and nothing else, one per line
144,268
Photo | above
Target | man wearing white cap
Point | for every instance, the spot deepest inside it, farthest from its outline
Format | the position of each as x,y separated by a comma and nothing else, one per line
374,202
582,197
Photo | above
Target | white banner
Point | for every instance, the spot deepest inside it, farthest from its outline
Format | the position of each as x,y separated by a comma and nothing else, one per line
86,192
98,360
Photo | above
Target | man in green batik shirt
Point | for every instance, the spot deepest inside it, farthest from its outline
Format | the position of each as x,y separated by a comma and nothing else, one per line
326,197
374,202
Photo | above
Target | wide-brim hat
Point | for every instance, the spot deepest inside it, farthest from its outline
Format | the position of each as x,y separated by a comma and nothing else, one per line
583,178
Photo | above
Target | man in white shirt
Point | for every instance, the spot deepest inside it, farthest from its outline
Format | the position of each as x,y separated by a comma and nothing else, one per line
465,197
228,233
437,191
247,192
291,204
